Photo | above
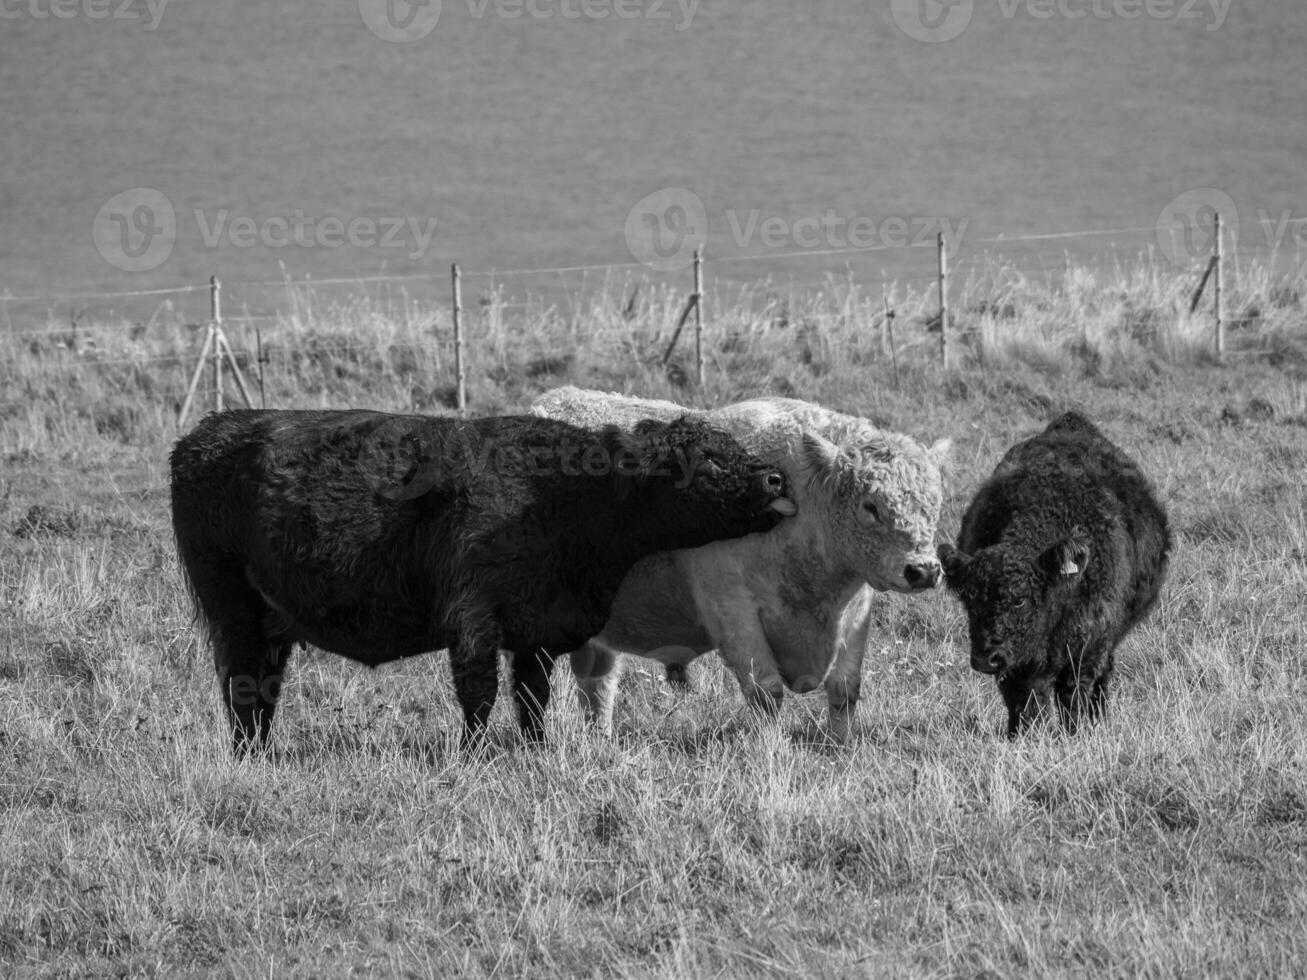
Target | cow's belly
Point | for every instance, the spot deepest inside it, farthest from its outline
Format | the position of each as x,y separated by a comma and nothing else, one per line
563,624
655,609
370,628
367,645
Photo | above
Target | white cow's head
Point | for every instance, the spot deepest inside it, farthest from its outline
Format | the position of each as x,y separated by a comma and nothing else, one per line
881,495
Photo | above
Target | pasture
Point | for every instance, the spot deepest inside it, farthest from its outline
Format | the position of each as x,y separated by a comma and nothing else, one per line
700,842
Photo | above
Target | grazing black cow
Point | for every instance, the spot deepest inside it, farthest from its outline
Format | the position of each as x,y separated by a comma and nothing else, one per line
1061,552
382,536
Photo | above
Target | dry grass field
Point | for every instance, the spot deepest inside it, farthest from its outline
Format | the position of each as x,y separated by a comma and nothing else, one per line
700,841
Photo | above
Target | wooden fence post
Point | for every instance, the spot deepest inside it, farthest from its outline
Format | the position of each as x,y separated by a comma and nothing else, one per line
459,373
1220,272
698,314
215,319
943,301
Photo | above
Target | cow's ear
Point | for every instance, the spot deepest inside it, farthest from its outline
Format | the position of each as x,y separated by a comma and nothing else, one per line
1068,558
955,564
821,454
940,452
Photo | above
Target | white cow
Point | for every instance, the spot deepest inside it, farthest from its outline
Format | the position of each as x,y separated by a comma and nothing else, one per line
790,608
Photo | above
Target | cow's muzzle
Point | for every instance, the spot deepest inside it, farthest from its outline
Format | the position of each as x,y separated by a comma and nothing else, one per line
776,486
922,575
988,663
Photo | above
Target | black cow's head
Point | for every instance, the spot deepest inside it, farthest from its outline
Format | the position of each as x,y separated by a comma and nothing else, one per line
707,478
1013,600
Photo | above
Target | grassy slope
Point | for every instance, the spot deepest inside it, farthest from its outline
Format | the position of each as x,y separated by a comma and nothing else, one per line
1170,840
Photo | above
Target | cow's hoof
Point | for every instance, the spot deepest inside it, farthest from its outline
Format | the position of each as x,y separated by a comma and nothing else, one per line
678,677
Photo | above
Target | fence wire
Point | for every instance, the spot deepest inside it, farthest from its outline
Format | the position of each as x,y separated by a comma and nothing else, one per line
80,342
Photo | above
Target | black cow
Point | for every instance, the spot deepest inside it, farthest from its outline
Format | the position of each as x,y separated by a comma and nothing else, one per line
382,536
1061,552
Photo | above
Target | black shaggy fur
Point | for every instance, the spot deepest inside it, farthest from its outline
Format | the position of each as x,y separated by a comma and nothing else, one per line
382,536
1061,553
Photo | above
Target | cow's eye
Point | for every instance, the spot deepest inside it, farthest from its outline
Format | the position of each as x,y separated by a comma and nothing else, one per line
871,510
1021,603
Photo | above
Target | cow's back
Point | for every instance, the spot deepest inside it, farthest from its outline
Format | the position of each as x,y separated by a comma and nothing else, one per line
596,409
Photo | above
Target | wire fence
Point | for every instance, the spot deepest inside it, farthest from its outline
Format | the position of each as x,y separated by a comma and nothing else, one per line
1026,262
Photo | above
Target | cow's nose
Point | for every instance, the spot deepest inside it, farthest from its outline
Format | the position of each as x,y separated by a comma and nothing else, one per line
776,482
922,576
988,664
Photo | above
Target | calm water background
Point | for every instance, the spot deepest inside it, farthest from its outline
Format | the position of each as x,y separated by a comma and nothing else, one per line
529,141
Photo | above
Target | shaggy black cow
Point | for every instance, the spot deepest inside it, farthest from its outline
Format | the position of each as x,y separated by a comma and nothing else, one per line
1061,552
382,536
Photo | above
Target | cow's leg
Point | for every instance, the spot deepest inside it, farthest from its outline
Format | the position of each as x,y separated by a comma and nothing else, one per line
248,663
597,670
250,674
474,662
678,677
844,682
744,648
1079,699
1016,695
531,673
1082,688
252,697
756,672
1098,698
